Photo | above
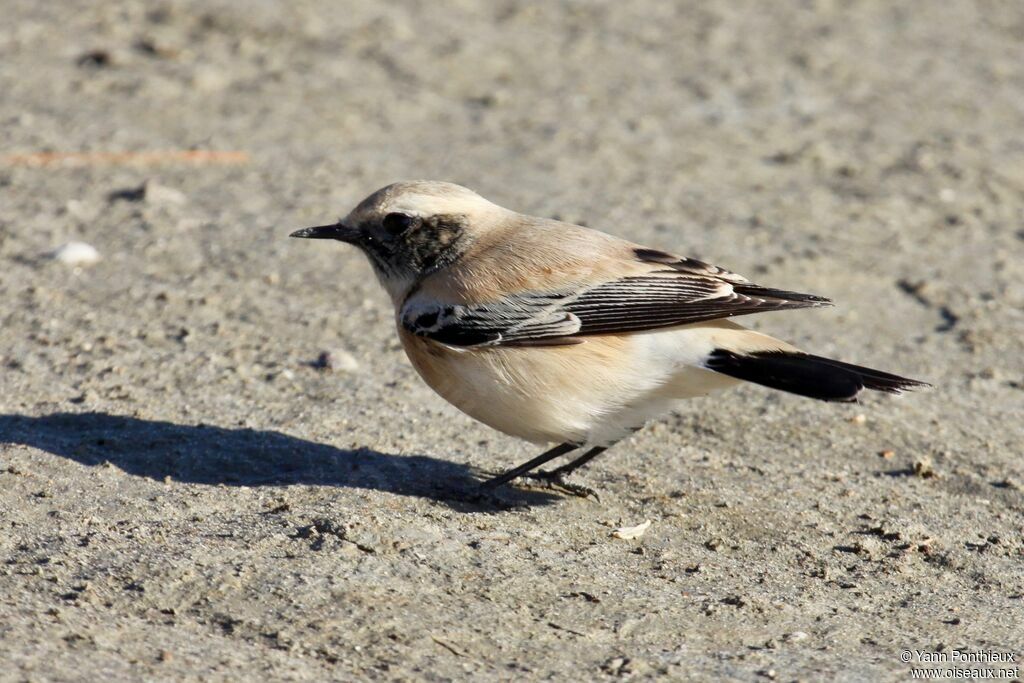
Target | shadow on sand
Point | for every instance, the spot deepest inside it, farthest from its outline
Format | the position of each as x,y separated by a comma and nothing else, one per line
204,454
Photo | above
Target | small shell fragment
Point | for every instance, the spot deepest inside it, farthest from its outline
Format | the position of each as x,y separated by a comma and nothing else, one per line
630,532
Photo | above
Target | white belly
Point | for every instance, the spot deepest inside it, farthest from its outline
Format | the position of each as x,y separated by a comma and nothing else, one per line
594,393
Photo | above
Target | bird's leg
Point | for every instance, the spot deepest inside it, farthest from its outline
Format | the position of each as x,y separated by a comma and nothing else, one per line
556,477
573,465
544,457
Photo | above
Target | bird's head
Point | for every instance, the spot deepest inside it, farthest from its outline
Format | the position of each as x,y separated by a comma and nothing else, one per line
411,229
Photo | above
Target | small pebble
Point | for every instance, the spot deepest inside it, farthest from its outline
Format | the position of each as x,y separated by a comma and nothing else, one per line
155,193
795,637
76,254
887,454
150,192
616,665
337,360
923,468
95,58
859,419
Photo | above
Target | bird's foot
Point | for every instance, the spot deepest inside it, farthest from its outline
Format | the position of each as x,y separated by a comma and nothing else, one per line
556,480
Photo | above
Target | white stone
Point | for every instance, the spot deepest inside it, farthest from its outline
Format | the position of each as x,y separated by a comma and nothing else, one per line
76,254
338,360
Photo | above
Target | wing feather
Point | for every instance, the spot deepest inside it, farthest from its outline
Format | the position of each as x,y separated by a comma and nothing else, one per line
688,292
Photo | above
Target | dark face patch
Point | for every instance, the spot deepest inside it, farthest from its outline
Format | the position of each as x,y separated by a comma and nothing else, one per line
422,246
434,242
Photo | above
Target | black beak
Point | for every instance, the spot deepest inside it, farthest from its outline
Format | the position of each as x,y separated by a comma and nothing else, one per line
339,232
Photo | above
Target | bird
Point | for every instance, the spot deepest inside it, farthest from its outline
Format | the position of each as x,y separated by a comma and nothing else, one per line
560,334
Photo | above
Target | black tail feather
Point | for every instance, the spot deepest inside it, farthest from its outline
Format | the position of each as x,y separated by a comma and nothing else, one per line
807,375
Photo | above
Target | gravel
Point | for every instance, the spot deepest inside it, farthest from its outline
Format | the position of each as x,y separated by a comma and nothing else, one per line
188,494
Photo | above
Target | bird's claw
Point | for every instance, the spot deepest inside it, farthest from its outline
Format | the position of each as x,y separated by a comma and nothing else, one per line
556,481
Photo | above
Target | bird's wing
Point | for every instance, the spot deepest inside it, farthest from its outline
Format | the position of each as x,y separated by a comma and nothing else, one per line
521,319
674,291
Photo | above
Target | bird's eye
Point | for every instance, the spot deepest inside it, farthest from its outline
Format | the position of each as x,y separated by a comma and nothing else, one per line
397,223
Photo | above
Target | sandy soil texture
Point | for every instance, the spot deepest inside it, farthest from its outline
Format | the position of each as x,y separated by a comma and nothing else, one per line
185,494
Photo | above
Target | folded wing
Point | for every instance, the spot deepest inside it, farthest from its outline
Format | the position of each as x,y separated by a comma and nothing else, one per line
673,292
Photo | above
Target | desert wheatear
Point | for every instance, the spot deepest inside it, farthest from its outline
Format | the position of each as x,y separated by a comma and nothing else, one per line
553,332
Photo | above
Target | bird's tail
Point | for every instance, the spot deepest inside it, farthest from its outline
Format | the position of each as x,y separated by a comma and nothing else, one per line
806,375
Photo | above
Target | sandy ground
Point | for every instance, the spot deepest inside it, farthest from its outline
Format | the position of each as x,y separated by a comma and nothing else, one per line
184,495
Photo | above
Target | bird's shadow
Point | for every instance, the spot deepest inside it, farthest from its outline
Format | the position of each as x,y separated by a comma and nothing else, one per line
205,454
